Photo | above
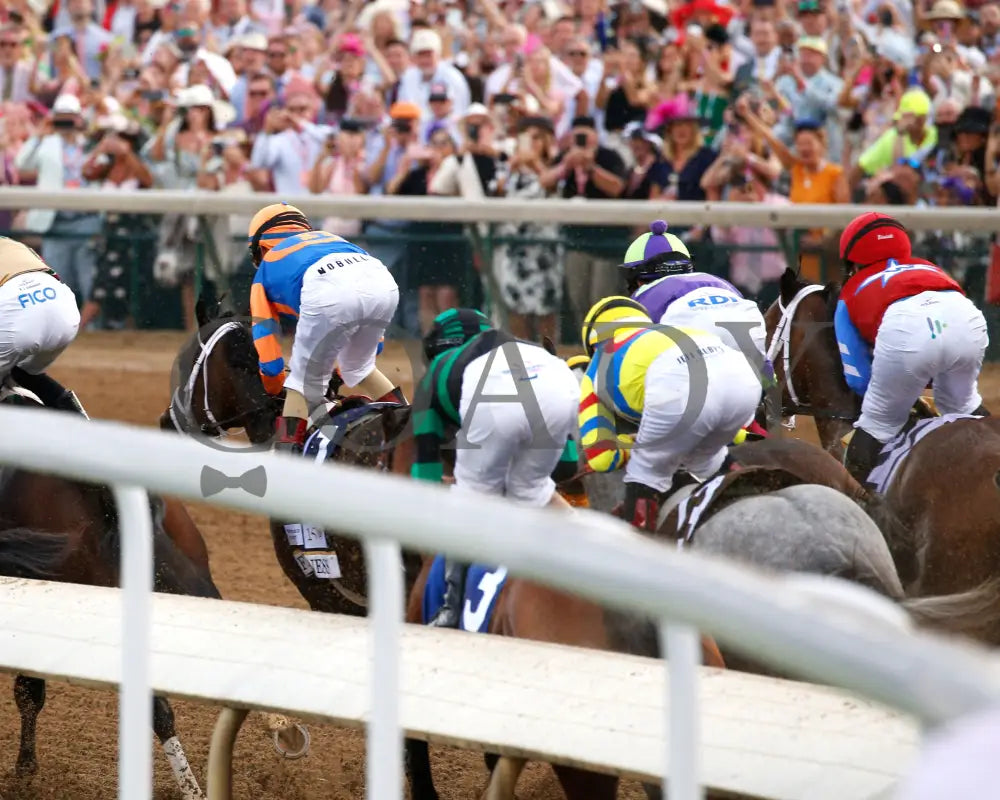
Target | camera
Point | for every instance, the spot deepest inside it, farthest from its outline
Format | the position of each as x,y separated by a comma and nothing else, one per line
153,95
130,74
218,145
474,133
402,125
580,139
64,124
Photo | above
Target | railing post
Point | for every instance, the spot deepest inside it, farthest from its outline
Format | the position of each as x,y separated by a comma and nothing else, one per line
681,647
385,606
135,721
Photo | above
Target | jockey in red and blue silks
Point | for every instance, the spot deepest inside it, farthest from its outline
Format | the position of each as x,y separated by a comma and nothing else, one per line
660,275
901,323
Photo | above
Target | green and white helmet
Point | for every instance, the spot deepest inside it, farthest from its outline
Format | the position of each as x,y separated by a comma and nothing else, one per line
656,254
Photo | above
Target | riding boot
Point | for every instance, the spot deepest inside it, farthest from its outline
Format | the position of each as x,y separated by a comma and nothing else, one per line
449,614
982,411
861,454
395,396
641,507
291,435
52,393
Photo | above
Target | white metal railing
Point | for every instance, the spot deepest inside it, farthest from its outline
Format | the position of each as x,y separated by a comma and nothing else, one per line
770,619
591,212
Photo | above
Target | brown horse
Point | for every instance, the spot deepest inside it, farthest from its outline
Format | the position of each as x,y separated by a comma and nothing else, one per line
529,610
56,529
803,348
942,532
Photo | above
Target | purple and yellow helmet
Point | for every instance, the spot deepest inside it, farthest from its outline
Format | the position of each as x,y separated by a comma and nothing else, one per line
656,254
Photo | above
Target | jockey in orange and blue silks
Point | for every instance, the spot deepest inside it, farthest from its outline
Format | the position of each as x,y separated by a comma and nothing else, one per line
343,298
901,323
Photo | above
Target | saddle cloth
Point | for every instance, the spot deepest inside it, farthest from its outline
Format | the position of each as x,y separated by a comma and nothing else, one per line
896,450
323,441
712,496
482,588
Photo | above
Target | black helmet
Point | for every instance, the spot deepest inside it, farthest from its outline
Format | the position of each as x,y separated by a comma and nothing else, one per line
453,328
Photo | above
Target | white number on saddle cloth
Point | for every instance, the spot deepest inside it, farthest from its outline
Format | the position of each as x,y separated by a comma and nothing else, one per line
313,538
473,618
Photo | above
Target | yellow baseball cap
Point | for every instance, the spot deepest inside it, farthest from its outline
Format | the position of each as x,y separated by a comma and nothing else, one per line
813,43
914,101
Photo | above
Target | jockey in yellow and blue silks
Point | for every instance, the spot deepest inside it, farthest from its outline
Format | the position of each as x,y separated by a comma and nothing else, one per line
641,374
343,299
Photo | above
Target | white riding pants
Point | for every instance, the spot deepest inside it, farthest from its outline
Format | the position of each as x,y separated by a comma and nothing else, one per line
38,320
932,336
511,447
343,313
667,440
714,310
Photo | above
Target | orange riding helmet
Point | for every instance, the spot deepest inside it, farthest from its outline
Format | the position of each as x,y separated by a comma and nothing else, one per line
873,237
272,224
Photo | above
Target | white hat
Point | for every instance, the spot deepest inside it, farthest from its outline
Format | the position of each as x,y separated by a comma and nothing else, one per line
116,122
198,95
476,110
66,104
425,39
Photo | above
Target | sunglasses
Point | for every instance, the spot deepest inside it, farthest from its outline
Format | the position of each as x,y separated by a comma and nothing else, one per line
299,109
263,93
577,53
277,54
440,143
10,44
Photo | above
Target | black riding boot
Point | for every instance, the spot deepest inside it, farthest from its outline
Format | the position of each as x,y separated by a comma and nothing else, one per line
449,614
52,393
982,411
863,450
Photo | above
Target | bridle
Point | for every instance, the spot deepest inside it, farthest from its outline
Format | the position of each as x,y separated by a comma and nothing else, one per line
781,344
181,405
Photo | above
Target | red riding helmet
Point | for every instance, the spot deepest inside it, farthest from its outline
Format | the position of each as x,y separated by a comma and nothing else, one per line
874,237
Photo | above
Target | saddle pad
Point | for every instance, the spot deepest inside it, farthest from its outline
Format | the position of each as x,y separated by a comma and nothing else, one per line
482,588
323,441
714,495
895,450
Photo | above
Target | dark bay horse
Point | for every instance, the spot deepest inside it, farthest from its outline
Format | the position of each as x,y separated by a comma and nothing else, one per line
55,529
803,348
940,512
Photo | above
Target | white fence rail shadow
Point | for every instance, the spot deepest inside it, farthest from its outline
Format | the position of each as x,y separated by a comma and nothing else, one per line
768,619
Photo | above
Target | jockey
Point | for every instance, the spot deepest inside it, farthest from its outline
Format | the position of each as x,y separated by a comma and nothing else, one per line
901,322
517,446
659,274
40,320
642,374
344,300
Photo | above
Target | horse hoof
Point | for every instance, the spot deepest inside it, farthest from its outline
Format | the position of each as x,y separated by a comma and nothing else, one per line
291,742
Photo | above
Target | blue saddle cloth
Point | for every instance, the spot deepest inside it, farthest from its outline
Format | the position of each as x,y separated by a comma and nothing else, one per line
322,442
482,588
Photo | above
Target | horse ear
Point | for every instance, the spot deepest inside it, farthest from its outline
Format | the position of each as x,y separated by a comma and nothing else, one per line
549,346
201,311
789,284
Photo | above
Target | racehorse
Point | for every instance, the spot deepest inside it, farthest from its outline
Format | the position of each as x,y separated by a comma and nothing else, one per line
943,499
803,348
528,610
55,529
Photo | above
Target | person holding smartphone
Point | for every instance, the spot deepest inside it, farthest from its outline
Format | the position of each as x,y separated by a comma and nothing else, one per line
587,170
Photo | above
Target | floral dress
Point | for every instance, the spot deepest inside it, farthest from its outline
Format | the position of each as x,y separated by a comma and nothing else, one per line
529,275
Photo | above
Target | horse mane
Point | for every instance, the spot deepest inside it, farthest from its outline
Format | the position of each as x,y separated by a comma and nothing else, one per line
791,283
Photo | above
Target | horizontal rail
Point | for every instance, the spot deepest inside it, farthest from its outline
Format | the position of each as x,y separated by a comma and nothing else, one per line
453,209
764,617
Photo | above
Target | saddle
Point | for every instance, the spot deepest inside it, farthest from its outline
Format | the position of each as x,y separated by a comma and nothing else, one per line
326,438
690,507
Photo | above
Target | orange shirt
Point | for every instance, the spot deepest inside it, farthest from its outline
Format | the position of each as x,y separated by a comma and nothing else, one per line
814,187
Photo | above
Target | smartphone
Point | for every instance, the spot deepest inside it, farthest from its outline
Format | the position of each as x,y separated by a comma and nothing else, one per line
473,131
580,140
504,99
153,95
130,74
218,147
16,17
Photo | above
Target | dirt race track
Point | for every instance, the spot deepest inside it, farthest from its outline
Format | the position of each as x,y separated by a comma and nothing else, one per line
126,376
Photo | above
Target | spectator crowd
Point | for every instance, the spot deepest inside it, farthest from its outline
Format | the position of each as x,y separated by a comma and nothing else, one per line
764,101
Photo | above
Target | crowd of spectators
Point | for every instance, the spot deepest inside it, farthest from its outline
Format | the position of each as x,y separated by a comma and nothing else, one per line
765,101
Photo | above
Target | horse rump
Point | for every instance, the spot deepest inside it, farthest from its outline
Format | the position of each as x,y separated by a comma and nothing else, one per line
25,553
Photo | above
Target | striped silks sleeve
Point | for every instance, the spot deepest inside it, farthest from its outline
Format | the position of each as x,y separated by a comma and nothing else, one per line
265,338
428,432
602,447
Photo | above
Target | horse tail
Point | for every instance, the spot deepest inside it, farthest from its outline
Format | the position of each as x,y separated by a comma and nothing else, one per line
961,612
38,555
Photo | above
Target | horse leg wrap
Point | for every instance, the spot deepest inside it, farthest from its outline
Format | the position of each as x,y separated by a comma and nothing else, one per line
186,781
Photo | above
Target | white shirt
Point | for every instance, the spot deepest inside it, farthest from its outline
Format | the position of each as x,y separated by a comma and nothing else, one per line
414,89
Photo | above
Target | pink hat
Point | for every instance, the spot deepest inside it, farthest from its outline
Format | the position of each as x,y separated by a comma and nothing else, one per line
532,43
351,43
677,109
